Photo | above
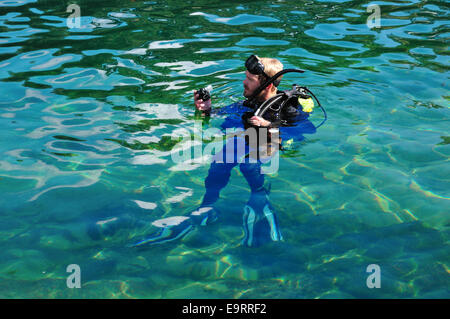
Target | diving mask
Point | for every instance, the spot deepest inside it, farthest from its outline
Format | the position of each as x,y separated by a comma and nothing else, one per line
255,66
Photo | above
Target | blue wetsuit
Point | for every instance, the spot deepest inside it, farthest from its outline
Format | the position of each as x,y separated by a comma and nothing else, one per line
219,173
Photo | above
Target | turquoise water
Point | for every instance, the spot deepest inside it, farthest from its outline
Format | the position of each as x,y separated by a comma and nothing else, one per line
87,115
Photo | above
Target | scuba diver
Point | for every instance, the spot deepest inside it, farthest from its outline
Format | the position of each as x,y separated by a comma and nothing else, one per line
266,110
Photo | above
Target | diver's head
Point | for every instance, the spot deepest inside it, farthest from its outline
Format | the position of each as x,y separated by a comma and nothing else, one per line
258,71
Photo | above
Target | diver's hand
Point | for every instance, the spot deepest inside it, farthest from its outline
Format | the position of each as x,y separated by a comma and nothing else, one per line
258,121
203,106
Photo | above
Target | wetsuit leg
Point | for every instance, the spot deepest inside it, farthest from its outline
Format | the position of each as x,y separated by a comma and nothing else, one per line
220,169
217,179
253,175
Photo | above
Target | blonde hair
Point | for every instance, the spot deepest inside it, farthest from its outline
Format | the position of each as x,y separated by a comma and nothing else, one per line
271,67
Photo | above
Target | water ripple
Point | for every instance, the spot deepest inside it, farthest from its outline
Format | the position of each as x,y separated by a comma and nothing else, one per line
240,19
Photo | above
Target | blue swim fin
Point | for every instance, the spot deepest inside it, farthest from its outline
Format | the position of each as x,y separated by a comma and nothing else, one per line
171,229
260,221
176,227
204,215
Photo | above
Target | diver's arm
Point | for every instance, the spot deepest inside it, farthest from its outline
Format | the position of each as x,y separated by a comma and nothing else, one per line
202,106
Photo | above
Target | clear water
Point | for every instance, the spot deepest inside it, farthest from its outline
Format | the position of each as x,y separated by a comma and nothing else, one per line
86,116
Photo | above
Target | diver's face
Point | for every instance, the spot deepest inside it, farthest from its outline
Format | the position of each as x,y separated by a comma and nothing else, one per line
251,83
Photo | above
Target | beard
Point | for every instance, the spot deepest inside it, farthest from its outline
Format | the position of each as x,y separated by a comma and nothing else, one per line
247,93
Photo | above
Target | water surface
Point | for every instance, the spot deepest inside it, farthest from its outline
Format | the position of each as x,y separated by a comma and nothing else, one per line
87,115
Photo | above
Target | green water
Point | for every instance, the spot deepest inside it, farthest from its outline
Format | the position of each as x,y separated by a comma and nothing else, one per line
87,113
